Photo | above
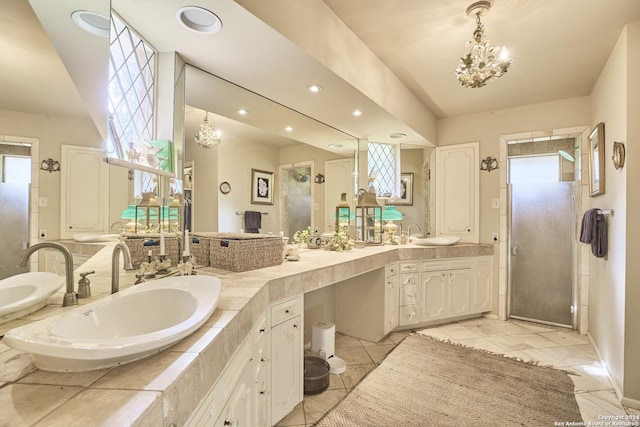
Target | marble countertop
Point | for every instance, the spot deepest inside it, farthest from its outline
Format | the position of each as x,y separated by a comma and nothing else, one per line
167,387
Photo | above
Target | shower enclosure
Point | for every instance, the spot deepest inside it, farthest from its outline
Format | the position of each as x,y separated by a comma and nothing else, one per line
296,199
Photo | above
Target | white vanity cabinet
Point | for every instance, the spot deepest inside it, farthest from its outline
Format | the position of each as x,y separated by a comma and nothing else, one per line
445,287
391,297
286,357
262,371
409,293
437,290
229,401
481,284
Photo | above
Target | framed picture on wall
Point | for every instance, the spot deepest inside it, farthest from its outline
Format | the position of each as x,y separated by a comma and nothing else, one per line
596,160
262,187
406,191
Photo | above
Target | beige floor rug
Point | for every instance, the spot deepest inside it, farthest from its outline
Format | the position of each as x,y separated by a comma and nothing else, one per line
426,382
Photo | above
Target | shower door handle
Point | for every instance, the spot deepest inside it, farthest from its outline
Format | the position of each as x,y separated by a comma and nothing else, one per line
514,251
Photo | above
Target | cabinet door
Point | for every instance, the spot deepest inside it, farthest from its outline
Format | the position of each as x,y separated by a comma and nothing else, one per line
481,286
458,289
457,191
238,412
434,295
391,300
84,191
286,368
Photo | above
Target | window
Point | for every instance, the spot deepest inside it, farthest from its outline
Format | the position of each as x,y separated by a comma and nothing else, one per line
131,102
131,94
16,169
383,167
534,169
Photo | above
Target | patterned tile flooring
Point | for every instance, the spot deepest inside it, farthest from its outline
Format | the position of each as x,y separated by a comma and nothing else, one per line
561,348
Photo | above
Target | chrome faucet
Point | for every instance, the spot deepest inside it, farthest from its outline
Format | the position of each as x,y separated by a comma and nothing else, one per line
121,225
115,264
70,297
409,229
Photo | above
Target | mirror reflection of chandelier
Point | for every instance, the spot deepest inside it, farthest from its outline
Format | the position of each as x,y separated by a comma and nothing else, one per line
206,135
481,62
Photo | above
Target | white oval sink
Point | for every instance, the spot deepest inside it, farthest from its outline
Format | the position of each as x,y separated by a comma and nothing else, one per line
434,241
120,328
25,293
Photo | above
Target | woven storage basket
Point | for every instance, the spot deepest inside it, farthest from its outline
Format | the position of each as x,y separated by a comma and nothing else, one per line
200,247
243,251
139,251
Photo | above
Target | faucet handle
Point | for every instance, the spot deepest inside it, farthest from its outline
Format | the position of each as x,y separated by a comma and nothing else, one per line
84,286
86,273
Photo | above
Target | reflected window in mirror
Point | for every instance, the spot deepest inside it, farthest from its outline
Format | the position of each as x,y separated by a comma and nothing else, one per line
383,168
132,69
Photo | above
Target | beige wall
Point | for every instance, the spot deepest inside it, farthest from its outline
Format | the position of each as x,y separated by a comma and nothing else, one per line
52,132
607,275
631,389
486,128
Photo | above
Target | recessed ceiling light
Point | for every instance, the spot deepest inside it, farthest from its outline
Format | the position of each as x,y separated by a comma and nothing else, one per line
397,135
334,145
357,113
288,128
198,19
314,88
242,111
92,22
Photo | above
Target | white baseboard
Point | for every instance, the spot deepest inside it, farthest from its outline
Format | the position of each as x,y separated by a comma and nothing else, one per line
631,403
615,386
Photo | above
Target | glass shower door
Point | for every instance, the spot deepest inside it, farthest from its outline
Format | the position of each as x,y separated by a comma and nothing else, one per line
541,260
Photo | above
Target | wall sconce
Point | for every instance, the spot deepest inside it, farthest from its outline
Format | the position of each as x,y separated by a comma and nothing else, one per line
50,165
489,164
319,179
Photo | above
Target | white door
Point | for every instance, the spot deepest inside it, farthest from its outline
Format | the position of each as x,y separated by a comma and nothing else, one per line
434,295
481,284
286,368
84,191
457,191
338,180
458,284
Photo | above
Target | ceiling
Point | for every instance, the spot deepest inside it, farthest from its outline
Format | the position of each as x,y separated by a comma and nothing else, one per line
558,48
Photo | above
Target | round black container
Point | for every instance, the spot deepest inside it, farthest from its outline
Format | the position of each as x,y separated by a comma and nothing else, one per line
316,375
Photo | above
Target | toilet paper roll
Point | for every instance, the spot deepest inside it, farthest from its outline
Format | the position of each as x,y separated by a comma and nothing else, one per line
323,337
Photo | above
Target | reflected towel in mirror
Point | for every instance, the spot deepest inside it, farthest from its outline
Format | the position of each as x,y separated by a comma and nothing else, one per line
252,221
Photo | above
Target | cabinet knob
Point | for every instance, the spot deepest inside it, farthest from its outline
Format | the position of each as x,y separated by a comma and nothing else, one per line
287,311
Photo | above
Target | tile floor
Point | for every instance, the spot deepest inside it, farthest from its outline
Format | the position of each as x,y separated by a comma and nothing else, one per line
548,345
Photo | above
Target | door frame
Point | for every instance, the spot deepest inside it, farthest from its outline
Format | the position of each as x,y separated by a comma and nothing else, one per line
581,259
34,193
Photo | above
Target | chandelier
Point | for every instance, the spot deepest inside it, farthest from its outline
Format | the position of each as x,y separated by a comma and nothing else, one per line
481,61
206,136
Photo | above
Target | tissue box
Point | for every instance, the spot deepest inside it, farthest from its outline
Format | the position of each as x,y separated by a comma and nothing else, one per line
244,251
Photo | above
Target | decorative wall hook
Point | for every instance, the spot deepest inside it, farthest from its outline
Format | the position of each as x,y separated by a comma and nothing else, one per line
50,165
618,154
489,164
319,179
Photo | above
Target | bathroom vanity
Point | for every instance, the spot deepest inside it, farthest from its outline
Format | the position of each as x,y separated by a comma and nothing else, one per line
238,365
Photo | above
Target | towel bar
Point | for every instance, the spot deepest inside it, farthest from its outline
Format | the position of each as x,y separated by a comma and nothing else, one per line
606,212
242,213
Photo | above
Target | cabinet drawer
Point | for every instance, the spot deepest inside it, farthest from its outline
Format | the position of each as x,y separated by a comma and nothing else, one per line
448,264
391,270
285,310
408,267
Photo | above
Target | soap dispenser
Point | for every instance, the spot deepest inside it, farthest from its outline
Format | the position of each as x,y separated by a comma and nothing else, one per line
84,285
